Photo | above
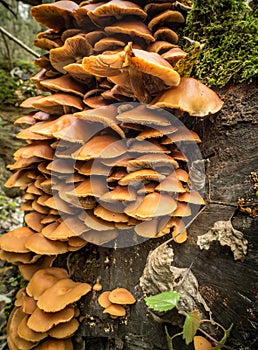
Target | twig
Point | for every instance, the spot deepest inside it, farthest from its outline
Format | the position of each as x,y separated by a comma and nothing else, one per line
19,42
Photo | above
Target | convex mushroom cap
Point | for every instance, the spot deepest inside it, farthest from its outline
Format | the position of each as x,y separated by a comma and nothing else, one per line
61,294
153,64
190,96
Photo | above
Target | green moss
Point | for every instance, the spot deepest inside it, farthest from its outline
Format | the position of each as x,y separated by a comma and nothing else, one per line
228,28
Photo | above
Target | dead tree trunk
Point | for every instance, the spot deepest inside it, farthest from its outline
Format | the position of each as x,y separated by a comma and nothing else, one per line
229,143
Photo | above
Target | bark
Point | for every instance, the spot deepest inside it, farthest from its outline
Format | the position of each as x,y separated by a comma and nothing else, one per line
229,143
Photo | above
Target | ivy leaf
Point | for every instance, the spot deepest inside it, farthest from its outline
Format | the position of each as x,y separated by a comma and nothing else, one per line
192,323
163,301
224,339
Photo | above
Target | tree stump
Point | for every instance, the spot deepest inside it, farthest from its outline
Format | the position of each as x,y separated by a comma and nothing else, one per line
229,287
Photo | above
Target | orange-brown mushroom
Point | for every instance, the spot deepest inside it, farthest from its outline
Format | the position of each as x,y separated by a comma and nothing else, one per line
61,294
190,96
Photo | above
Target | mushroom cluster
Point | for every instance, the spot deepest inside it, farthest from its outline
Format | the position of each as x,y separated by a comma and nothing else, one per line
103,158
45,315
114,301
96,162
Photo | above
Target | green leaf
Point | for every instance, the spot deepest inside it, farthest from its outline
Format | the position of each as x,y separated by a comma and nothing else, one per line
224,339
191,325
164,301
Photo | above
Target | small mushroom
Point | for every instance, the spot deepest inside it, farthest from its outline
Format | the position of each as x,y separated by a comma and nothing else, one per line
201,343
121,296
103,299
115,310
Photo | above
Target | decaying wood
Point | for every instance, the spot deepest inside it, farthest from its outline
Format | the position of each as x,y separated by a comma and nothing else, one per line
228,287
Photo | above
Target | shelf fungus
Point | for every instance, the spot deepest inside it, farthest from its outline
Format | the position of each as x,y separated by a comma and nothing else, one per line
105,160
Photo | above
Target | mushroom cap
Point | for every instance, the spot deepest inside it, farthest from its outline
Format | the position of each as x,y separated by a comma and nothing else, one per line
74,49
121,296
55,344
96,223
33,221
69,227
148,229
109,215
103,146
29,305
28,270
144,116
108,44
65,83
191,197
182,210
153,161
118,8
153,205
39,149
67,128
64,330
182,134
61,294
171,184
190,96
18,258
120,193
173,55
55,103
91,167
165,18
166,34
15,240
201,343
77,72
57,15
93,187
115,310
43,246
160,46
103,299
41,321
130,26
100,238
104,115
150,132
104,65
44,279
13,339
28,334
153,64
141,175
